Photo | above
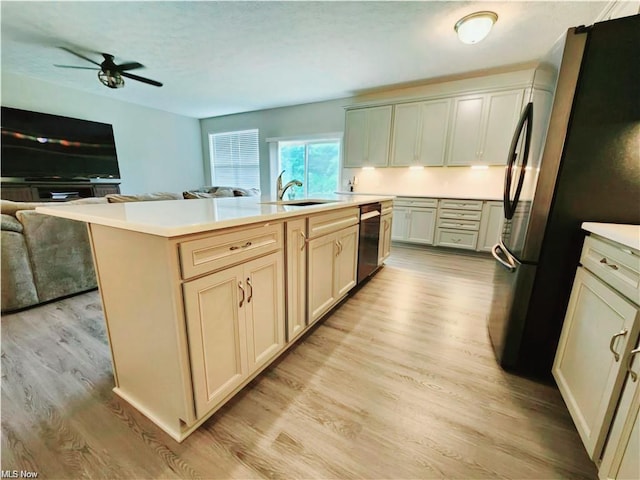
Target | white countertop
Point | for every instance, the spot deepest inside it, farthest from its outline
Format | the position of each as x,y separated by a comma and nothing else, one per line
444,197
170,218
627,235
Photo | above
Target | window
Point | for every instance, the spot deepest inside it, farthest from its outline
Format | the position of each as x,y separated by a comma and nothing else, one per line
316,163
235,160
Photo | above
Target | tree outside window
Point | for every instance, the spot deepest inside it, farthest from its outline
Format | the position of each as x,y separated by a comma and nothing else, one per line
316,163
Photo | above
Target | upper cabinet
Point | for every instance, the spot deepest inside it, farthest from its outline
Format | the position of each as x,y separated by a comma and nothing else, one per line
367,134
420,133
482,127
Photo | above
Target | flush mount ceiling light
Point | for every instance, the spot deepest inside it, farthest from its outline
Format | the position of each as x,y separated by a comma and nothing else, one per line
475,27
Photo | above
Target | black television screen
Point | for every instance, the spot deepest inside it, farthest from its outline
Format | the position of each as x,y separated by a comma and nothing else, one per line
40,146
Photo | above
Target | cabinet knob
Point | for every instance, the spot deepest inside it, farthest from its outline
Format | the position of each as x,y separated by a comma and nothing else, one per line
621,333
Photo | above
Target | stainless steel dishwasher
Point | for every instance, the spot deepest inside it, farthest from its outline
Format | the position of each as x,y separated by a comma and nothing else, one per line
369,236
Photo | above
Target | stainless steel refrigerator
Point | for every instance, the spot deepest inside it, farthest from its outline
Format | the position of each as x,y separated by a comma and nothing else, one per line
578,161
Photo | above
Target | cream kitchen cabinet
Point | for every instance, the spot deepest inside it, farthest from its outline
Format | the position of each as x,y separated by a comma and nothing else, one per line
235,322
367,137
332,259
621,457
482,127
491,225
600,329
458,223
296,285
386,222
420,133
414,220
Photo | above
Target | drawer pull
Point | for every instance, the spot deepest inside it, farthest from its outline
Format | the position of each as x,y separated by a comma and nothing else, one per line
610,265
632,374
621,333
242,290
456,240
235,247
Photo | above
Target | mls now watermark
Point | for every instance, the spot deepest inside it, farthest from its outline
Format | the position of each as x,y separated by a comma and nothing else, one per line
18,474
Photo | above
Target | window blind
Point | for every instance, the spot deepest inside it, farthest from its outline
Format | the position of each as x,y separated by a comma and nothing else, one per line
235,159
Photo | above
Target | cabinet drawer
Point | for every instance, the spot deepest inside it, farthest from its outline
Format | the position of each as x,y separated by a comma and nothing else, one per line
460,214
219,251
416,202
387,207
616,265
461,204
456,238
455,224
333,221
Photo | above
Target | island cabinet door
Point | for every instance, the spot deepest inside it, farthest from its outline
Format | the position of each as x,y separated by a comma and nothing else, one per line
346,262
217,336
264,308
321,290
599,330
296,286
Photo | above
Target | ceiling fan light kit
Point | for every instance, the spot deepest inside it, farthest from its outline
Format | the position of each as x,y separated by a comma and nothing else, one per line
111,79
110,74
474,27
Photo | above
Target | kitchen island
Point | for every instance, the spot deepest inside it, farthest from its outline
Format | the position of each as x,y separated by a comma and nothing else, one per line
200,296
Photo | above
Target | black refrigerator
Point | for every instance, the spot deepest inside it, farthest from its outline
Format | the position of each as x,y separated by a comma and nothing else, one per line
579,161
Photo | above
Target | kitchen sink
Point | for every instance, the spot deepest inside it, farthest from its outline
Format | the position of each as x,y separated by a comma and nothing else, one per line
303,202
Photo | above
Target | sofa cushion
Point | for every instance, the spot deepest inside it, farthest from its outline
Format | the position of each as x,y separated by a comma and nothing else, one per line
18,287
60,254
143,197
217,194
9,207
11,224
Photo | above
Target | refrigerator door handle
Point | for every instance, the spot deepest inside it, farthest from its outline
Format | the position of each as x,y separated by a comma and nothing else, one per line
509,263
526,120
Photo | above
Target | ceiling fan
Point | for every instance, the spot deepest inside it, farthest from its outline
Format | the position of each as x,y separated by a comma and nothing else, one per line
110,74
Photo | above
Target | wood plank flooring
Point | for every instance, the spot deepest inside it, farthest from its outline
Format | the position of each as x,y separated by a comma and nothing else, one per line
399,382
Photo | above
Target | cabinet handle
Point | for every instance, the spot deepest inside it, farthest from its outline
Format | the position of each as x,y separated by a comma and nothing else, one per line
632,374
304,240
242,290
250,291
236,247
337,248
621,333
610,265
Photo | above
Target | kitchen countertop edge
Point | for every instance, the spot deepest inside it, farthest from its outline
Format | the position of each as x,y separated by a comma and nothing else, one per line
627,235
236,212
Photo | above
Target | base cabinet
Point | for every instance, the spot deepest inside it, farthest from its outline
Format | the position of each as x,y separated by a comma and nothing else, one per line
384,244
333,261
296,286
235,322
596,363
490,226
414,220
621,457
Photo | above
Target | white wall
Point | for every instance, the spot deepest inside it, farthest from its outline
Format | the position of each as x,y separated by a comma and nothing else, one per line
308,119
157,151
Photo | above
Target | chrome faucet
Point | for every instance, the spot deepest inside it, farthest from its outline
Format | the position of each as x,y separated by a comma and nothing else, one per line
282,189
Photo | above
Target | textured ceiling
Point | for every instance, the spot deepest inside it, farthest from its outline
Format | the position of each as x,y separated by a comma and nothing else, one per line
216,58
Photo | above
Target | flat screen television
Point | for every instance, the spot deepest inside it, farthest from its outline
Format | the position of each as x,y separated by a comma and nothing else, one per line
43,147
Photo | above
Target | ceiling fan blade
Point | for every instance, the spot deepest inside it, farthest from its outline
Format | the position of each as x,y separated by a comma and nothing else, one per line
79,55
73,66
129,66
141,79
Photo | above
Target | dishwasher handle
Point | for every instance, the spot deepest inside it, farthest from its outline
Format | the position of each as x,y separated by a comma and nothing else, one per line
368,215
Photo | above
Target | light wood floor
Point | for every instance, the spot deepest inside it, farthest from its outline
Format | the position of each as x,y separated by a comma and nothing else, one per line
400,382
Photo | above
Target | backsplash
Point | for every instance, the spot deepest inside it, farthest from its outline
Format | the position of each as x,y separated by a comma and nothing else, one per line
464,182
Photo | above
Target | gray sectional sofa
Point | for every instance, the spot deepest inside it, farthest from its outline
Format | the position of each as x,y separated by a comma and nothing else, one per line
45,258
